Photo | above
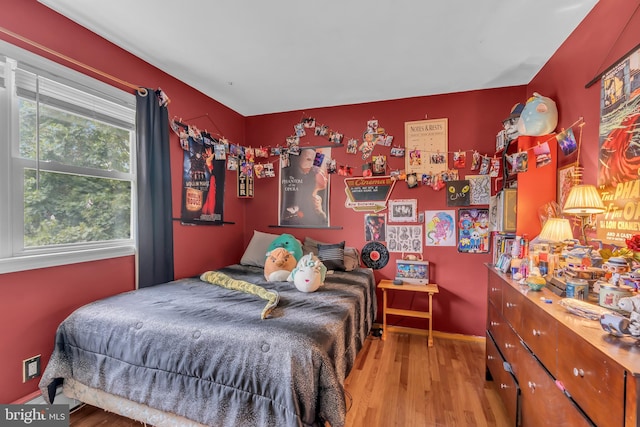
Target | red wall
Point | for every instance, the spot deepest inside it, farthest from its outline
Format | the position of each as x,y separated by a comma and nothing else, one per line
474,119
610,31
34,302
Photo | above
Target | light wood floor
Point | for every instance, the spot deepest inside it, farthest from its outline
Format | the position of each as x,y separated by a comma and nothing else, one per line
399,382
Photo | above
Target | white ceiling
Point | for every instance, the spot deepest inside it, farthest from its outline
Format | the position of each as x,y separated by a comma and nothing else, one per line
261,57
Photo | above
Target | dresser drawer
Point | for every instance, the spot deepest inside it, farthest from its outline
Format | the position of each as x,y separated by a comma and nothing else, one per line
508,343
494,320
543,403
504,381
512,303
594,381
539,332
495,290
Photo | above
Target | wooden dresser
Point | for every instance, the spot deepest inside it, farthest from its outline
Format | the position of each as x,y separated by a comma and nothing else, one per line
553,368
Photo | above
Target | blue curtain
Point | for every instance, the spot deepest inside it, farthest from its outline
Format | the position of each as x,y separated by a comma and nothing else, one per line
155,229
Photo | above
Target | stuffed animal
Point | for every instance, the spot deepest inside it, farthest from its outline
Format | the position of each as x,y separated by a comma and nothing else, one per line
288,242
539,116
309,274
278,265
217,278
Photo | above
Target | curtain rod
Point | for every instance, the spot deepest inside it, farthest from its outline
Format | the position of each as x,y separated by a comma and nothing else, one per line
141,90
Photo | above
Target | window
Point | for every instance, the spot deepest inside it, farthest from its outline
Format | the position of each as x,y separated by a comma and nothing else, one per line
67,165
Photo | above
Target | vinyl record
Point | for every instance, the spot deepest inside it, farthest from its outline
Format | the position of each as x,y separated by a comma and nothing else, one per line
375,255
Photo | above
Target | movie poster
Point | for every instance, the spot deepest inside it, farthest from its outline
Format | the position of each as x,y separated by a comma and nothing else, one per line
203,183
619,151
304,189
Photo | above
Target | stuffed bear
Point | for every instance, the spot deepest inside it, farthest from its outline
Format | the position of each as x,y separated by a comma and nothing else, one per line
288,242
539,116
309,274
278,265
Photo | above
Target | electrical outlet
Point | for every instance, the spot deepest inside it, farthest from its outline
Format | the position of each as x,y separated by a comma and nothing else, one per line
31,368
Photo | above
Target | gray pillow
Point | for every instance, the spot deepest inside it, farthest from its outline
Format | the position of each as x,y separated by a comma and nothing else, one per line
256,252
351,255
332,255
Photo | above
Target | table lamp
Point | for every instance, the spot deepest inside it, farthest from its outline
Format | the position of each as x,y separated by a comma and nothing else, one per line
556,230
583,201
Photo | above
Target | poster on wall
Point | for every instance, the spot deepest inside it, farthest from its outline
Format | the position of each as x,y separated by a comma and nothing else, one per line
619,156
404,238
426,143
304,189
375,227
458,193
440,228
203,184
473,230
480,189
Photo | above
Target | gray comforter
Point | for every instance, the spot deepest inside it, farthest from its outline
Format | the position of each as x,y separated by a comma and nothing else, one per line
201,351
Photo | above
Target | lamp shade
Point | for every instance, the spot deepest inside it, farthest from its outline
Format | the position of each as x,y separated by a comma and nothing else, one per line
583,199
556,230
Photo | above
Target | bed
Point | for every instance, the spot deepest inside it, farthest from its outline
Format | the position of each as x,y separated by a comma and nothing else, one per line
190,352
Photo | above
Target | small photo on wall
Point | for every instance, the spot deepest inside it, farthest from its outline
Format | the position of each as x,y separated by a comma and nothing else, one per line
543,154
375,227
567,141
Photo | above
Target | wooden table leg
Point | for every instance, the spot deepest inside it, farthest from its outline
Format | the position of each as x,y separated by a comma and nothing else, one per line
430,320
384,314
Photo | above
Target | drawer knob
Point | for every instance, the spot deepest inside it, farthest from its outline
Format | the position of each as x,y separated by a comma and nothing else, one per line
510,305
532,386
578,372
490,357
503,386
493,323
495,289
507,345
536,333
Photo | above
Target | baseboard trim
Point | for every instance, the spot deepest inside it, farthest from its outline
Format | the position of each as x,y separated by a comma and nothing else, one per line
438,334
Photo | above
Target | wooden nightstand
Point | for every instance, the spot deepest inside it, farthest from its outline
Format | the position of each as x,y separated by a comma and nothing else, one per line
430,289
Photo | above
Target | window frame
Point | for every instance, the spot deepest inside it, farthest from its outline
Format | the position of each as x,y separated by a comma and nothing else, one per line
13,256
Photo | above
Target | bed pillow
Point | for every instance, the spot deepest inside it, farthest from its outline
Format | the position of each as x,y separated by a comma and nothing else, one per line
351,258
311,245
256,252
332,255
351,255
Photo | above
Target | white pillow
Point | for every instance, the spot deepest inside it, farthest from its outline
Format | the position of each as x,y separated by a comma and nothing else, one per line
256,252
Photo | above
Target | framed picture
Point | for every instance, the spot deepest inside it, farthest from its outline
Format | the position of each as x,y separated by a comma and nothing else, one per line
404,210
566,180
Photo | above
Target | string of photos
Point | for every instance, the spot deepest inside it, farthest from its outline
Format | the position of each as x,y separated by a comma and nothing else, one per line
254,161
